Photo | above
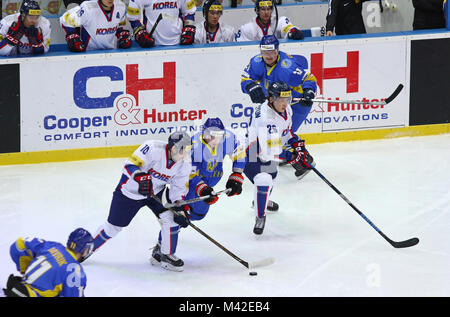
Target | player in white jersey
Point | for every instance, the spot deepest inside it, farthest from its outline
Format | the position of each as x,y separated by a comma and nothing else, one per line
26,32
217,32
153,166
175,27
96,25
269,130
265,23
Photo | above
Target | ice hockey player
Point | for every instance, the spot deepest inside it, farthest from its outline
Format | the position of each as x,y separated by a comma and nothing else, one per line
211,31
210,146
176,27
269,130
146,173
26,32
96,25
266,23
274,65
48,268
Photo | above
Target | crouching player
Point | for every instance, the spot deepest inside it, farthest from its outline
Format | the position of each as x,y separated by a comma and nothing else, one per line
269,130
49,269
145,174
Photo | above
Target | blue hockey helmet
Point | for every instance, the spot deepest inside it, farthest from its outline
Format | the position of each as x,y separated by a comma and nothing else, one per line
279,89
80,240
213,127
180,139
30,7
269,43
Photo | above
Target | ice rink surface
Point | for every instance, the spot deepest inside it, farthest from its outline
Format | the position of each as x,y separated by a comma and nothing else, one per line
322,247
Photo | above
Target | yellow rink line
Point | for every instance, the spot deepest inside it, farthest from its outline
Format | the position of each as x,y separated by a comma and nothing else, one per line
125,151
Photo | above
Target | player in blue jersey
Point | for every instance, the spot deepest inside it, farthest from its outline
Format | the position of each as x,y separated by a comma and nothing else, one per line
273,65
48,268
209,147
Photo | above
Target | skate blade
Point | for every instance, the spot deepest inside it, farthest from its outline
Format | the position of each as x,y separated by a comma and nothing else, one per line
170,267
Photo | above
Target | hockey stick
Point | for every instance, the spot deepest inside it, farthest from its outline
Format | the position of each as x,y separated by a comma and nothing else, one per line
357,102
159,18
194,200
249,265
396,244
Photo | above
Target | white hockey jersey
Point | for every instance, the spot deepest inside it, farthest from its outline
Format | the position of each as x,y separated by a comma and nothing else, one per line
224,33
25,48
253,31
98,28
152,157
168,31
269,131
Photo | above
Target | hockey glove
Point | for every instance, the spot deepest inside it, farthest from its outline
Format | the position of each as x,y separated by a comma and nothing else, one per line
295,34
255,92
299,155
15,287
143,38
75,43
124,40
204,190
15,33
182,215
235,183
36,39
308,96
145,183
187,35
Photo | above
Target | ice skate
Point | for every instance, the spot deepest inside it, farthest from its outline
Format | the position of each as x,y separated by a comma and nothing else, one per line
156,255
271,205
171,262
259,225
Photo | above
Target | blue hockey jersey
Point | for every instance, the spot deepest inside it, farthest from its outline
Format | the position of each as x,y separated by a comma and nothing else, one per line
49,268
291,69
207,163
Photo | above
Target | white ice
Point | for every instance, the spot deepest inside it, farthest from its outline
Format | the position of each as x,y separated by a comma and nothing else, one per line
322,247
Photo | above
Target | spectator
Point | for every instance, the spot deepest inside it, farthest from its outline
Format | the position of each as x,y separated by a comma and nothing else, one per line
96,25
267,23
345,17
26,32
210,31
428,14
175,27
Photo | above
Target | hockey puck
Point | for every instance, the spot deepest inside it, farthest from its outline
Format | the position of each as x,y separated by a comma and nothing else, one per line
253,273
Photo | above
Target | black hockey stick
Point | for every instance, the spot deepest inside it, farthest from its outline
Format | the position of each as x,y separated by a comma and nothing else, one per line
249,265
396,244
357,102
159,18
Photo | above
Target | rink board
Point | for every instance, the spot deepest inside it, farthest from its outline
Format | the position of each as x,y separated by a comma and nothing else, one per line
103,101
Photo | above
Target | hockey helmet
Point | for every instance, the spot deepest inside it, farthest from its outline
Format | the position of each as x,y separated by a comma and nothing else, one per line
263,3
211,5
80,240
180,139
213,127
279,89
30,7
269,43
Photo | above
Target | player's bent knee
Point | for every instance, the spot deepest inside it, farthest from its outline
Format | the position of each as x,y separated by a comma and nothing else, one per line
110,229
263,179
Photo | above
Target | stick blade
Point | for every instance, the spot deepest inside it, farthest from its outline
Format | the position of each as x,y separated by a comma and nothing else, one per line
394,94
260,263
405,244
